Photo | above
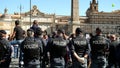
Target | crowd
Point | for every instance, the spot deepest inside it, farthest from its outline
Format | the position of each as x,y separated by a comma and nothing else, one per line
36,49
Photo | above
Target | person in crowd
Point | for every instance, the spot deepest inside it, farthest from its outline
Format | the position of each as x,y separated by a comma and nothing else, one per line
16,38
57,47
45,37
40,39
99,46
34,26
31,48
5,50
79,49
112,61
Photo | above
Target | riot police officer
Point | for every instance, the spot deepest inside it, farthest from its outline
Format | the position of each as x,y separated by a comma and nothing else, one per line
57,48
79,50
31,48
99,45
5,50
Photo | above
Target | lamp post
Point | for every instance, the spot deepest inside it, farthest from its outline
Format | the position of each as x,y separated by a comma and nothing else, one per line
20,13
30,13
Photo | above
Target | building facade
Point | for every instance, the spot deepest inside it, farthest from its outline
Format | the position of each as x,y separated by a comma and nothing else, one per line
107,21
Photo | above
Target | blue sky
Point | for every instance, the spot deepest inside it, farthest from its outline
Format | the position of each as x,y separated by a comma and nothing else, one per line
59,7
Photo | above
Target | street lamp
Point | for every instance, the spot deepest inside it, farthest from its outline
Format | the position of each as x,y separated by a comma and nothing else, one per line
30,13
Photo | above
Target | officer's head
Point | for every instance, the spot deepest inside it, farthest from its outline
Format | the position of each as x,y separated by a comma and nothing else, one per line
98,31
35,22
38,31
113,37
17,22
78,31
60,32
54,34
3,33
30,33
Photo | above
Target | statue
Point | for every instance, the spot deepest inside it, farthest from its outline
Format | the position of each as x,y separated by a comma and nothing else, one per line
35,10
5,11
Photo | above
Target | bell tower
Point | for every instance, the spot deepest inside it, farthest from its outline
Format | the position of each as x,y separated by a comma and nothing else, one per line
94,6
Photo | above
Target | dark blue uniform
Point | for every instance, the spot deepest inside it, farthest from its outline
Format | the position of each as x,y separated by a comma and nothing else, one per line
99,46
118,55
32,49
112,61
58,50
5,53
80,46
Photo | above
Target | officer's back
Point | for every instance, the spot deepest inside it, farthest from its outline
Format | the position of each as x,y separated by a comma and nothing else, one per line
99,46
57,49
79,50
31,49
5,50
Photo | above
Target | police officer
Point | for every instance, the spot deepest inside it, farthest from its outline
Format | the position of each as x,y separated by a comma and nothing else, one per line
112,59
57,48
118,55
39,38
79,50
5,50
99,46
31,48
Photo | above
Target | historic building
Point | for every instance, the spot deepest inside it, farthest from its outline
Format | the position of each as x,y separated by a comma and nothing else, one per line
45,21
108,21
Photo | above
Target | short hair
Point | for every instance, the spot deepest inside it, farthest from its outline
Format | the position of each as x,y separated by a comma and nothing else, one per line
35,22
78,30
3,32
98,29
30,32
39,31
61,31
17,22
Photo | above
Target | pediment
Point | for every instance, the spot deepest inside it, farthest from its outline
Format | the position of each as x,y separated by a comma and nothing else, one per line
35,12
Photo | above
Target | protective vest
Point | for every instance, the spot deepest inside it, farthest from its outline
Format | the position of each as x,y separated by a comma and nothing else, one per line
4,49
59,47
80,45
31,48
98,45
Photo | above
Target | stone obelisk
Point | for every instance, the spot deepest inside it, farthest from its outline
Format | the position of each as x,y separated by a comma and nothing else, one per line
74,14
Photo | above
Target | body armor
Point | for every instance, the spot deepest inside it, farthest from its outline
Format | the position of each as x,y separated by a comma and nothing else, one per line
31,48
80,45
59,47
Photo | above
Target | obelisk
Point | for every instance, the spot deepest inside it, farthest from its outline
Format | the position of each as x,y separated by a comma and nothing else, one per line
74,14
